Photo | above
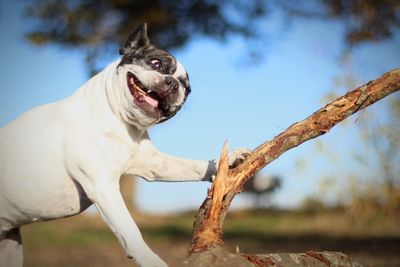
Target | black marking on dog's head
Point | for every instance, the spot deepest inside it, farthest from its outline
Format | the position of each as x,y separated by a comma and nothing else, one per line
138,50
136,40
184,80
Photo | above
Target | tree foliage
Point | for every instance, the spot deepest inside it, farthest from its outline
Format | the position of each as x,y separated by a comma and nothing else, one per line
100,26
365,20
173,23
382,136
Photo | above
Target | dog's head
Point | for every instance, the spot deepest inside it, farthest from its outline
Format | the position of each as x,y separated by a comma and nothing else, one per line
156,84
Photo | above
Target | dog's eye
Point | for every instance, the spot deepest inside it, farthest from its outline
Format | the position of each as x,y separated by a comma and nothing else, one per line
156,64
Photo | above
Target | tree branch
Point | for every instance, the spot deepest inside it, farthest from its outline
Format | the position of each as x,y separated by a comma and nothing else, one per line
207,228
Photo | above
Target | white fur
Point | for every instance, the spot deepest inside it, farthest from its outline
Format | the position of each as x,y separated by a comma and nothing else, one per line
58,159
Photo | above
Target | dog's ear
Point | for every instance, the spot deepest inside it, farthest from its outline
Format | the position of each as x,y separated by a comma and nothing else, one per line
136,40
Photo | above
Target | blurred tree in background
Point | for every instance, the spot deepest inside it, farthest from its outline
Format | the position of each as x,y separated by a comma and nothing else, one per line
100,27
382,136
261,187
365,20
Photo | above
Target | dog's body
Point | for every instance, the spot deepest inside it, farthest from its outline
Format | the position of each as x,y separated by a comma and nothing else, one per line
58,159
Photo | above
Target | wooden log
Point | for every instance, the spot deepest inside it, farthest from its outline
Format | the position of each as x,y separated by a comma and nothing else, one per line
220,257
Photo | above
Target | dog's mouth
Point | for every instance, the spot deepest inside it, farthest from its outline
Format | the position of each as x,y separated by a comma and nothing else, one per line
148,99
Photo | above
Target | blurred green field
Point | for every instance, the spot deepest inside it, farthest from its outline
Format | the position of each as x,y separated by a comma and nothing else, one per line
84,240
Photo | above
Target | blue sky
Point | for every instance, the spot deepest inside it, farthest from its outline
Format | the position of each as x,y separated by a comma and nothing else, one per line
232,99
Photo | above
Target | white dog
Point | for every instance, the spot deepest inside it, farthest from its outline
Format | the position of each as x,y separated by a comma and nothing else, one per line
58,159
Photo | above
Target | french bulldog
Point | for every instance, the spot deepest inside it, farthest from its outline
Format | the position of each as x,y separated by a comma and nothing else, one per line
60,158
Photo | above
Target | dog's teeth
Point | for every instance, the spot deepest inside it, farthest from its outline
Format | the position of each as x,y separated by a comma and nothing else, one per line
140,90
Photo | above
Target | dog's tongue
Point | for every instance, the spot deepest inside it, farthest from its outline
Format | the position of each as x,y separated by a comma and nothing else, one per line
142,96
152,102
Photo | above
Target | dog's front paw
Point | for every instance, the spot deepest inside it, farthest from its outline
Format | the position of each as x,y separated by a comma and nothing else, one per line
235,158
238,156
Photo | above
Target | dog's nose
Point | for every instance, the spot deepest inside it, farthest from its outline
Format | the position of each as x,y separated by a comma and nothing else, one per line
172,83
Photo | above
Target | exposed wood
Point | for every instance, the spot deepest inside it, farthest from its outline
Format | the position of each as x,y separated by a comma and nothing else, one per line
207,229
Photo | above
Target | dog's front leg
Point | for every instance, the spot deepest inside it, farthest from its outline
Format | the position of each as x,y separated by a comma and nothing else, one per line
109,202
154,165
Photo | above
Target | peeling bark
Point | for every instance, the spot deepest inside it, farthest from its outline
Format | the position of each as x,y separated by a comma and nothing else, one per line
207,228
220,257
